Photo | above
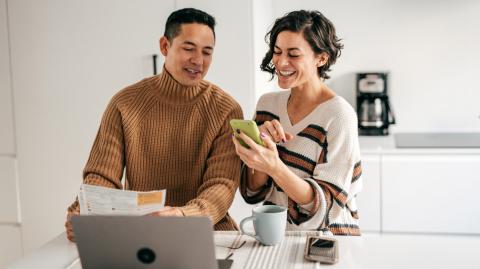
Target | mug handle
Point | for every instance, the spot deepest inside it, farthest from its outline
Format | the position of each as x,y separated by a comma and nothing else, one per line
245,220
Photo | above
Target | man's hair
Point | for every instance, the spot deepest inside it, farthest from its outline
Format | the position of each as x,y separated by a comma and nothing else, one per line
317,30
184,16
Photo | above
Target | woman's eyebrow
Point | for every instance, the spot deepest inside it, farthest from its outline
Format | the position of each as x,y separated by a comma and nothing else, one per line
289,49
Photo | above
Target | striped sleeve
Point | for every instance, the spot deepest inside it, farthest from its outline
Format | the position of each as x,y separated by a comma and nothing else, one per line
340,170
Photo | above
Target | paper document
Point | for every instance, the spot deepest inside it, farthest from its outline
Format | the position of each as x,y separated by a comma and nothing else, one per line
95,200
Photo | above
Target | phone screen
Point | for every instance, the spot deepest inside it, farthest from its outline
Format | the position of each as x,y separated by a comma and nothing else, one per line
322,247
321,243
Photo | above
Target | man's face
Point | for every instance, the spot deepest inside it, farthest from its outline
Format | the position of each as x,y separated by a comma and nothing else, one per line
188,55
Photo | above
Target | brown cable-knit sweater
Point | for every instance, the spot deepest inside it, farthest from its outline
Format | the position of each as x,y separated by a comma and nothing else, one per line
173,137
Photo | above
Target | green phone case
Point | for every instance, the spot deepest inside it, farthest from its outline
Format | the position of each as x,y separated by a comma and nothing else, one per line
248,127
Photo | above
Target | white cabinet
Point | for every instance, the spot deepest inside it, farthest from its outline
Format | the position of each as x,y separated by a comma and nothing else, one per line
9,212
7,142
431,193
10,244
369,198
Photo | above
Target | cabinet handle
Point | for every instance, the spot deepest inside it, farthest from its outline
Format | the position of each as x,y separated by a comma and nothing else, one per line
154,56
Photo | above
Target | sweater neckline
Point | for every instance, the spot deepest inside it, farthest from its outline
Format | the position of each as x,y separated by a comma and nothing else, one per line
170,90
303,123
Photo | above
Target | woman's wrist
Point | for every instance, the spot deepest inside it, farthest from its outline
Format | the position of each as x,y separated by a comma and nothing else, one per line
278,170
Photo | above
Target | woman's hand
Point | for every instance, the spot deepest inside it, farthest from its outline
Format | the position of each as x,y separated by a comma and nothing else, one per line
263,159
275,130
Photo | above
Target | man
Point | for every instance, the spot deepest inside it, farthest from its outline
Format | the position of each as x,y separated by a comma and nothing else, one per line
171,131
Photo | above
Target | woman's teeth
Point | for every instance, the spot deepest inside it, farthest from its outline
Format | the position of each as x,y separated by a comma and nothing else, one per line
286,73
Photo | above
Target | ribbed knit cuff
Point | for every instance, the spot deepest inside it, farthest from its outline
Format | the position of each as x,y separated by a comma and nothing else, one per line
75,207
190,210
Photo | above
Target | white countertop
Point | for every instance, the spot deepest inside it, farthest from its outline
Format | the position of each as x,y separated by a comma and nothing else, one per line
386,145
367,251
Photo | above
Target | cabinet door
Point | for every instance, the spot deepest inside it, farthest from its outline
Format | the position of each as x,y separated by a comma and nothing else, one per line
369,198
10,244
431,193
6,115
8,191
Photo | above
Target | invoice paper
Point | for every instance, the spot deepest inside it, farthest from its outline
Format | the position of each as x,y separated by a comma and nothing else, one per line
96,200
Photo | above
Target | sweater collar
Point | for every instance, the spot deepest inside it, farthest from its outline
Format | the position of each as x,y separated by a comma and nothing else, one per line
171,90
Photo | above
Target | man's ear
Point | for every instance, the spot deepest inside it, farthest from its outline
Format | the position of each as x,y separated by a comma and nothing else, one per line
164,45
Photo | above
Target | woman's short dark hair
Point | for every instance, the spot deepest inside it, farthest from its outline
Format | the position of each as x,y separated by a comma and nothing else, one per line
187,15
317,30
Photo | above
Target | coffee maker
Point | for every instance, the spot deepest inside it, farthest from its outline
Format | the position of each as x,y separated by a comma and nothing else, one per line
373,107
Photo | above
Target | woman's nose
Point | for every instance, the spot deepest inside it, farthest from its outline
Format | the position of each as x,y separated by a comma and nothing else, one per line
282,61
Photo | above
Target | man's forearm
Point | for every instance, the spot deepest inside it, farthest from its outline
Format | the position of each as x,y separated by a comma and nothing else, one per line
213,201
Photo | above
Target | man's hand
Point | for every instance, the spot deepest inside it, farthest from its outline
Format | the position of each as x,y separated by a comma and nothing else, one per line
69,226
168,212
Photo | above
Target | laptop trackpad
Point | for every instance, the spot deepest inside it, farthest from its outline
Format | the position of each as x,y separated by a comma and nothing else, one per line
224,264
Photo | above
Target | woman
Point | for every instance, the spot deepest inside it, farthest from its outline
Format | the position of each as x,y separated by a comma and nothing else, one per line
311,162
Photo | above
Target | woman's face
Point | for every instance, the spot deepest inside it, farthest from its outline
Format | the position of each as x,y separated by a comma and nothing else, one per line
294,60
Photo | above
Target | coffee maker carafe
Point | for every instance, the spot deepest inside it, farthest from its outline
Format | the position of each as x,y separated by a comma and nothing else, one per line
373,107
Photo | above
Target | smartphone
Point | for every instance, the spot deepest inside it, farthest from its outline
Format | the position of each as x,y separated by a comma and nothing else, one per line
248,127
322,249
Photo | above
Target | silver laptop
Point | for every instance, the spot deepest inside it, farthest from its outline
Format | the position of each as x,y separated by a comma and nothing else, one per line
146,242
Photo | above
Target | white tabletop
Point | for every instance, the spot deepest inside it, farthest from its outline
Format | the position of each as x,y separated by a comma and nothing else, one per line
367,251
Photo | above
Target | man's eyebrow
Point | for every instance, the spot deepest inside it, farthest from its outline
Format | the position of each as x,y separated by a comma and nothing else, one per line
193,44
189,43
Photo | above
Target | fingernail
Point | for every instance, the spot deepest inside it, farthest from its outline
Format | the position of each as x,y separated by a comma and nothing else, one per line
263,134
238,131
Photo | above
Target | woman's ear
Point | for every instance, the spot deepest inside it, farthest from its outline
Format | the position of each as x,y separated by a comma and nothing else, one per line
164,45
322,59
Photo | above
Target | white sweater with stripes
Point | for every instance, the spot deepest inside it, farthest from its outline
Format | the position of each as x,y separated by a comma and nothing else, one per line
325,152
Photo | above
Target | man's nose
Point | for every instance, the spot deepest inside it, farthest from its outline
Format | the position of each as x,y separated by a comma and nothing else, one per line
197,58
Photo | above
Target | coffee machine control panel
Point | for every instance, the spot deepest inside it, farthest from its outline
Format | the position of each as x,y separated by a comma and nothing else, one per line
372,83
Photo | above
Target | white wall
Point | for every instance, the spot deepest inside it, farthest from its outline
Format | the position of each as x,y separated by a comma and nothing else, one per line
263,19
7,140
10,229
430,48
